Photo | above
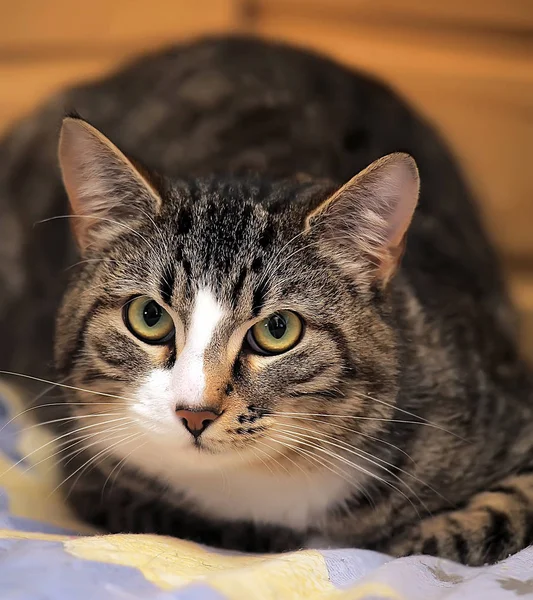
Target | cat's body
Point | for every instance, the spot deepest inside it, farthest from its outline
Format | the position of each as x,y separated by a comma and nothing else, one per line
412,399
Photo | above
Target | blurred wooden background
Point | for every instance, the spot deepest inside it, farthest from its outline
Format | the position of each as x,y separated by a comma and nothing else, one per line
466,64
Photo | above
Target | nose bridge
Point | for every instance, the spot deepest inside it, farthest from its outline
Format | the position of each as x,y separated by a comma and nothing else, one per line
191,377
188,379
216,373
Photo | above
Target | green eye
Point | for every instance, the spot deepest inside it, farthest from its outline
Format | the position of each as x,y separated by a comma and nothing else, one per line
148,321
275,334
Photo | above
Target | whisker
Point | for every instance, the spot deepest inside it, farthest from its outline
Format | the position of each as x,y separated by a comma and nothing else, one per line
360,418
364,455
71,454
287,258
57,217
299,439
65,445
324,463
119,466
262,460
92,460
91,260
411,414
365,435
116,429
45,391
64,404
300,436
72,418
271,458
286,458
69,387
58,438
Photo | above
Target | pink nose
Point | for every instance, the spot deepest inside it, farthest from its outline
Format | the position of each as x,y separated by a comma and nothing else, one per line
196,422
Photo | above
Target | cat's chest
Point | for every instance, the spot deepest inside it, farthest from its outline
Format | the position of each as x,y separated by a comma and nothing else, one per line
288,500
233,487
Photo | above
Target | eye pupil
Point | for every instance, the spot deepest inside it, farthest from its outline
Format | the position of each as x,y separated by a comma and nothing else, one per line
277,326
152,314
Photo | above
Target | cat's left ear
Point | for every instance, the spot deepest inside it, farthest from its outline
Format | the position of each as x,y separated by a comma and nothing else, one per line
363,225
104,187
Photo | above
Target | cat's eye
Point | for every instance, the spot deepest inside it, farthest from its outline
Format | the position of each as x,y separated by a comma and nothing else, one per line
276,334
148,321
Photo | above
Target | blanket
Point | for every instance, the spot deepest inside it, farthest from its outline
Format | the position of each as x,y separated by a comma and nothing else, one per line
46,554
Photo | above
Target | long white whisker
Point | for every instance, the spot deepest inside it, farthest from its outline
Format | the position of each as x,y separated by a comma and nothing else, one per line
369,458
271,458
115,429
91,460
68,387
64,404
58,438
286,458
72,418
411,414
262,460
91,260
286,258
299,439
359,418
93,217
322,462
365,435
119,466
65,445
70,453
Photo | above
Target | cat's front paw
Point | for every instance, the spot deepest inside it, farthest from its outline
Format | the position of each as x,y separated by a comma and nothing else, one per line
405,545
438,536
431,537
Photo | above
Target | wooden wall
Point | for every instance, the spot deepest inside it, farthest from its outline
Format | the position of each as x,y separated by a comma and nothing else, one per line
466,64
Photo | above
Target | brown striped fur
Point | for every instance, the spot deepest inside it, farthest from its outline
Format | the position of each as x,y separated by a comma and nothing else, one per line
402,420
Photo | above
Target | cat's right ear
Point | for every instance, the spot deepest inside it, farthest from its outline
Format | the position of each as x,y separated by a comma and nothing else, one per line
106,190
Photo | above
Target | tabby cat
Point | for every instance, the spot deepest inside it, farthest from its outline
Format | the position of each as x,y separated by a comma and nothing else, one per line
267,340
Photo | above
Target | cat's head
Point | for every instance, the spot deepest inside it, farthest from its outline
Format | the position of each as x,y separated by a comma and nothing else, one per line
227,319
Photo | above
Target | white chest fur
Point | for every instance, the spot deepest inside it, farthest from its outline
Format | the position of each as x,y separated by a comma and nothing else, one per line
245,492
295,501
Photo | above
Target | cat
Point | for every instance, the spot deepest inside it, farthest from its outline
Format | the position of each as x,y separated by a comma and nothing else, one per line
280,321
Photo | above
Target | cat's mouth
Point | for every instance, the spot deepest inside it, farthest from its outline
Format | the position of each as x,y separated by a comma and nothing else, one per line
223,449
201,446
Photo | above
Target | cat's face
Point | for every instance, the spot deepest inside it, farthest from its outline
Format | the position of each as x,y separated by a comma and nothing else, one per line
229,321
